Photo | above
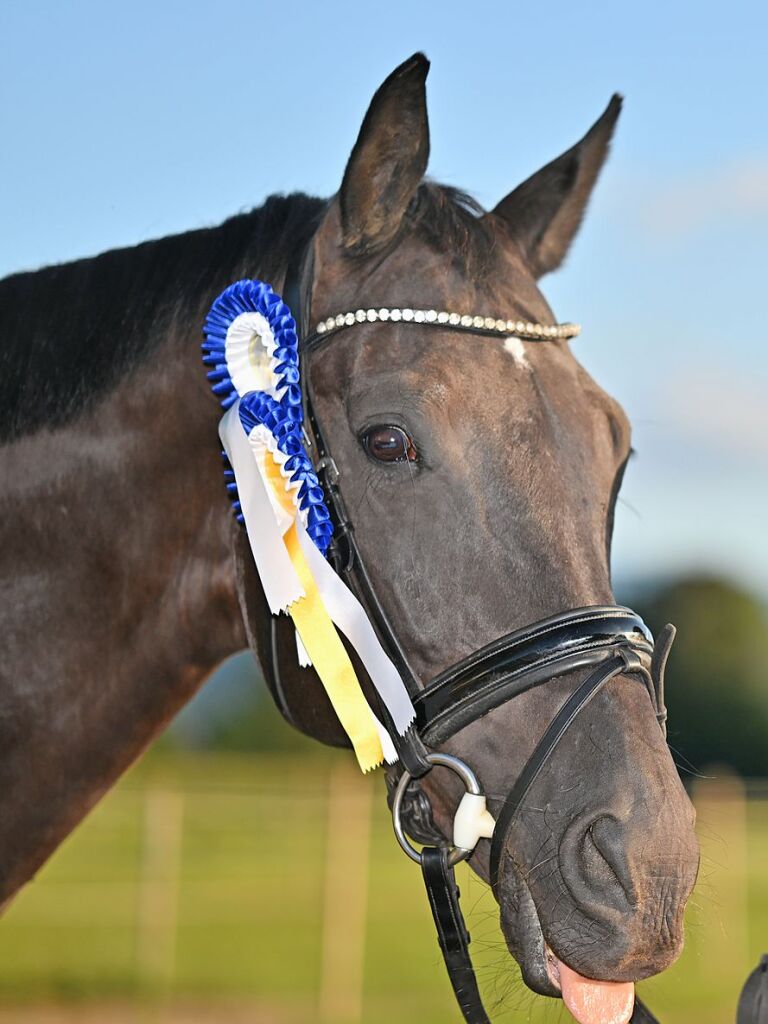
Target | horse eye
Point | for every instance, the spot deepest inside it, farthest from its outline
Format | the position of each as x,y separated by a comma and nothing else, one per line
389,444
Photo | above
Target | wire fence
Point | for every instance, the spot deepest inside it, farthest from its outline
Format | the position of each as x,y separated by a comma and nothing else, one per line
275,889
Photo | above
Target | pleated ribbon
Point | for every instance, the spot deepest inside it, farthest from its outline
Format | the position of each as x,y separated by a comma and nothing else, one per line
298,580
251,351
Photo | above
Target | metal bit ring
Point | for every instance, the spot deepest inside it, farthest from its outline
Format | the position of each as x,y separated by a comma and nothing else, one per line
472,785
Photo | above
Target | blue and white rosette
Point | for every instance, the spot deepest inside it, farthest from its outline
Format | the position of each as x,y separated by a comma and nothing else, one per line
251,350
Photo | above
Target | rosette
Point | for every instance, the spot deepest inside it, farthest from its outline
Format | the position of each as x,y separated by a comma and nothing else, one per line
251,344
251,351
251,348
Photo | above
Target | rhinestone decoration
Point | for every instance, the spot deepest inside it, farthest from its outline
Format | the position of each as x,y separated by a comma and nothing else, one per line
441,317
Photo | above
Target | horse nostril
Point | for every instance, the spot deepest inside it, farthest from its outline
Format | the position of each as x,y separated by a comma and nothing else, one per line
610,841
594,862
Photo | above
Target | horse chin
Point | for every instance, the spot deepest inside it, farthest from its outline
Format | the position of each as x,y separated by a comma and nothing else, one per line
522,932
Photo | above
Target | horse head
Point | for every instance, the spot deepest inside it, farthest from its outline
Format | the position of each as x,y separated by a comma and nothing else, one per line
481,475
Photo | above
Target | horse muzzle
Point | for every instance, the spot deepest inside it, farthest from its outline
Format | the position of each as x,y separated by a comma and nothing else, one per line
593,946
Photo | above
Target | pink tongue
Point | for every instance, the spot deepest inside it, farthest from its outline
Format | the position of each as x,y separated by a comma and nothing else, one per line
596,1002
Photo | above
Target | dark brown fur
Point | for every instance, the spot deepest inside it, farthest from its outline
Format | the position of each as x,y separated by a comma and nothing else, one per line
120,587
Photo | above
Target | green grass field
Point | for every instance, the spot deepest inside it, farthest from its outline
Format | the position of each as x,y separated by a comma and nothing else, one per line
253,886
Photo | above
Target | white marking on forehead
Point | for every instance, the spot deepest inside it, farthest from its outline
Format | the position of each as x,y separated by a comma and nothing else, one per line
516,349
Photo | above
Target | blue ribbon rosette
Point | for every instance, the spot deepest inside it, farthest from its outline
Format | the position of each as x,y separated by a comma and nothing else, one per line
251,349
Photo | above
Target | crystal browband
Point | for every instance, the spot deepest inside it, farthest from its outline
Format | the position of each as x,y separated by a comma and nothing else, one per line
458,321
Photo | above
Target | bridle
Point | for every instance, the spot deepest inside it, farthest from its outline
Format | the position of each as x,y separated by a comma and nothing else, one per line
609,640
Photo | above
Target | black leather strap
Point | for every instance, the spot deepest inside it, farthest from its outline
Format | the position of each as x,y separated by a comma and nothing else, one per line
641,1014
443,894
439,877
526,658
622,661
343,552
661,652
753,1001
452,934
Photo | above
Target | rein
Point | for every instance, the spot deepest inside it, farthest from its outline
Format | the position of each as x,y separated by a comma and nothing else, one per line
611,640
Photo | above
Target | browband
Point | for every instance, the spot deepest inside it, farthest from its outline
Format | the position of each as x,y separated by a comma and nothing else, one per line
472,324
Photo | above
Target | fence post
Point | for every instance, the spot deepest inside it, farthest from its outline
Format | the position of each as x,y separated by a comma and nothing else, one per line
158,893
345,910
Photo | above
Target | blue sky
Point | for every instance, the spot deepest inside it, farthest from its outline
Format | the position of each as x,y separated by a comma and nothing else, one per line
122,122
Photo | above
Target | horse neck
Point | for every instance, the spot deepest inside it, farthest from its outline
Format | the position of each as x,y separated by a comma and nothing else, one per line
120,594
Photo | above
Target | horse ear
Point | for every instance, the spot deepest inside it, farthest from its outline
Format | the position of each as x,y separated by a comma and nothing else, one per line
388,160
544,213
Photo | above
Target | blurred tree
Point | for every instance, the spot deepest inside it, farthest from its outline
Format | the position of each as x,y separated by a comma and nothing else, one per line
717,680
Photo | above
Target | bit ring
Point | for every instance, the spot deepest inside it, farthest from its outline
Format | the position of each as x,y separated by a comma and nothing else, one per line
471,784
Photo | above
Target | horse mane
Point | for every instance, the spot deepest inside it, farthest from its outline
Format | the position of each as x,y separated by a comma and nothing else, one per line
70,332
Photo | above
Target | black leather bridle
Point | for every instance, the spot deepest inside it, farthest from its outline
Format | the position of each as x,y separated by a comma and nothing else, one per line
610,640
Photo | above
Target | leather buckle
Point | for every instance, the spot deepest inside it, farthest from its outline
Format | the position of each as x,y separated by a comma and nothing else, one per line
329,470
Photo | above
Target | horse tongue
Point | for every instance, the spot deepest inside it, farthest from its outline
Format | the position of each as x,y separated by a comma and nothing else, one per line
596,1002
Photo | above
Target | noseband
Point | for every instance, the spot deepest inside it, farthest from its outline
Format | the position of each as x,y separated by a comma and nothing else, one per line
607,641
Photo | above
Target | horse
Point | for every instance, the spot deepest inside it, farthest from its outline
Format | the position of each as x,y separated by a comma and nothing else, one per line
480,472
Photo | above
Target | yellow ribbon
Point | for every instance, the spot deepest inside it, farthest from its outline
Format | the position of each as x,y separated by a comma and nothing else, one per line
277,482
323,644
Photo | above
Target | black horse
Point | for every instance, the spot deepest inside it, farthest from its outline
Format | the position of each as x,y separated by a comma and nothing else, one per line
481,474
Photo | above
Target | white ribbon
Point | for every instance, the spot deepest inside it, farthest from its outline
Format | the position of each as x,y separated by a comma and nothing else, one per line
248,353
301,652
349,616
278,577
266,522
387,746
